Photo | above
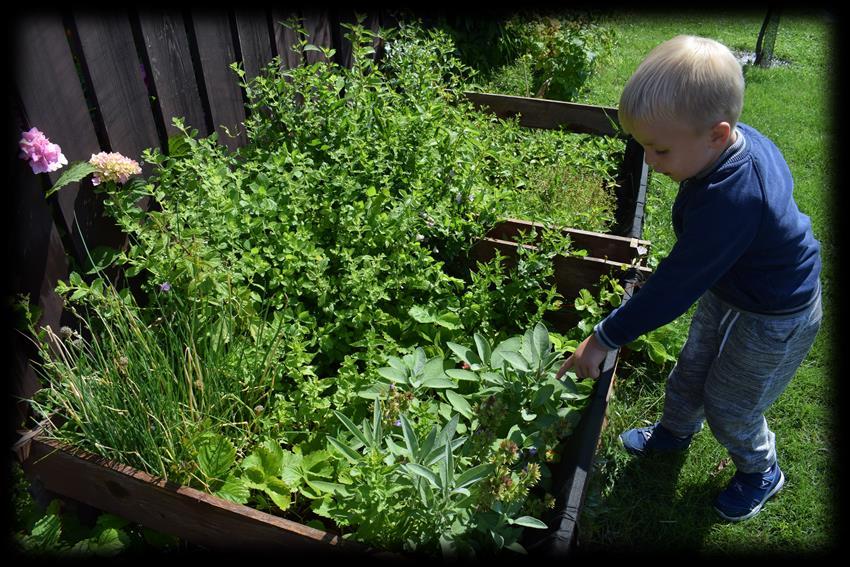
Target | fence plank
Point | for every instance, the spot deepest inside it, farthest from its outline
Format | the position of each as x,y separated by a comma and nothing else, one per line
212,32
52,100
172,69
550,114
116,75
254,41
317,24
285,38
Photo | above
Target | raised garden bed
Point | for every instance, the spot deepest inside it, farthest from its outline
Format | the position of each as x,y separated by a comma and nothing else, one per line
216,523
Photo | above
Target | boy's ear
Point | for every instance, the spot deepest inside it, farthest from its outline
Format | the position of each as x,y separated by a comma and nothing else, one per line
720,134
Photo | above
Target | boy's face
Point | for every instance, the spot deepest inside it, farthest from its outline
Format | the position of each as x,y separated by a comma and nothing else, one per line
677,150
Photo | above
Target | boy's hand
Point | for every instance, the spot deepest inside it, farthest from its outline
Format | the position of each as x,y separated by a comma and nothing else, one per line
586,359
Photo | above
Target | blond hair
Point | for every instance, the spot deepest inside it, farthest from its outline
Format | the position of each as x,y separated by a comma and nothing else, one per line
688,79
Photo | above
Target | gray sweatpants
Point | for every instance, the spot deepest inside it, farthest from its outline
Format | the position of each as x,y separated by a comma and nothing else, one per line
732,368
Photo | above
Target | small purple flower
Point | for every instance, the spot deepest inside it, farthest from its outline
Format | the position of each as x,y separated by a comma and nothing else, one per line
532,451
397,423
165,286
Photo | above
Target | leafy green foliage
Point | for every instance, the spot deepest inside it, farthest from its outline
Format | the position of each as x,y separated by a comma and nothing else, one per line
307,298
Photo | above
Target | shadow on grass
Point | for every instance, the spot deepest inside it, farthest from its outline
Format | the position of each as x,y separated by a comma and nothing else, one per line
647,512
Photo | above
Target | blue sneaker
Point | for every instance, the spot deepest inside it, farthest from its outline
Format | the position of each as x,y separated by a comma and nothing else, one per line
653,439
747,493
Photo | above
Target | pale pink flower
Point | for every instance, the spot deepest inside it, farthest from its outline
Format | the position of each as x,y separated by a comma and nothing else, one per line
113,167
42,154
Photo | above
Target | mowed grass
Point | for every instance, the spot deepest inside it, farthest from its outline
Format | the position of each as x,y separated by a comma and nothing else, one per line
665,505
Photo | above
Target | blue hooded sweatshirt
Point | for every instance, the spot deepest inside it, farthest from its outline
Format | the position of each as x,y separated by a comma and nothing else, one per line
739,234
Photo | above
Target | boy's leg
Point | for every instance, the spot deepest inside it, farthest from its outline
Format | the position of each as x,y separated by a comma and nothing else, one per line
683,400
753,367
683,406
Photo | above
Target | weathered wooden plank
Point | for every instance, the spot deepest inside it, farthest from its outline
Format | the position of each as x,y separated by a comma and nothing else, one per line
167,46
285,38
117,78
631,207
52,100
598,245
187,513
317,24
38,262
550,114
254,40
215,48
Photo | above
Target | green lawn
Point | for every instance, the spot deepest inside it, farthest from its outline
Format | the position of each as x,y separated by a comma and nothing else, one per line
665,505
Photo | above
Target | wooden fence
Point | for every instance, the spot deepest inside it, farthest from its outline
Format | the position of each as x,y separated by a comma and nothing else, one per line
112,82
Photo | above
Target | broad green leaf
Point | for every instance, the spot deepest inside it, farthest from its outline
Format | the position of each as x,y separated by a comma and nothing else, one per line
234,490
473,475
75,172
461,374
106,543
483,346
543,394
459,403
398,364
216,456
48,529
448,431
516,360
328,487
527,350
417,469
448,467
410,439
434,369
291,472
493,378
438,383
352,428
428,444
420,314
542,344
270,458
374,391
377,430
346,451
529,522
316,463
393,374
419,360
517,547
279,492
466,354
449,320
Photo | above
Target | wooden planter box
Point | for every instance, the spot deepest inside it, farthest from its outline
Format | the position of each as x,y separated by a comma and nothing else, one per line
218,524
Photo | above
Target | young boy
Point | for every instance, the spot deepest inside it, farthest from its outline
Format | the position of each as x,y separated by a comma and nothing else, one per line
743,249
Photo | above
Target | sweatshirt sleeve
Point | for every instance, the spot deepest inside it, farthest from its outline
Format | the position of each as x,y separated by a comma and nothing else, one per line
719,222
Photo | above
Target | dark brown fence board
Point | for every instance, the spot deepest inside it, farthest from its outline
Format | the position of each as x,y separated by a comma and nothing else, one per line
53,101
187,513
550,114
254,40
38,263
215,48
116,75
285,38
318,26
173,73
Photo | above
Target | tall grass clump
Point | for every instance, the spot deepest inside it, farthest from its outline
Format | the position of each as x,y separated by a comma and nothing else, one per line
141,386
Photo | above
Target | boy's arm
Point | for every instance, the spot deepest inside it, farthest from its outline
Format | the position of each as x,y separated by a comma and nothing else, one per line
717,228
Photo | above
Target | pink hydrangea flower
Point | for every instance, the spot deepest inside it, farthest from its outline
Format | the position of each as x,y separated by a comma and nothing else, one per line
113,167
42,154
